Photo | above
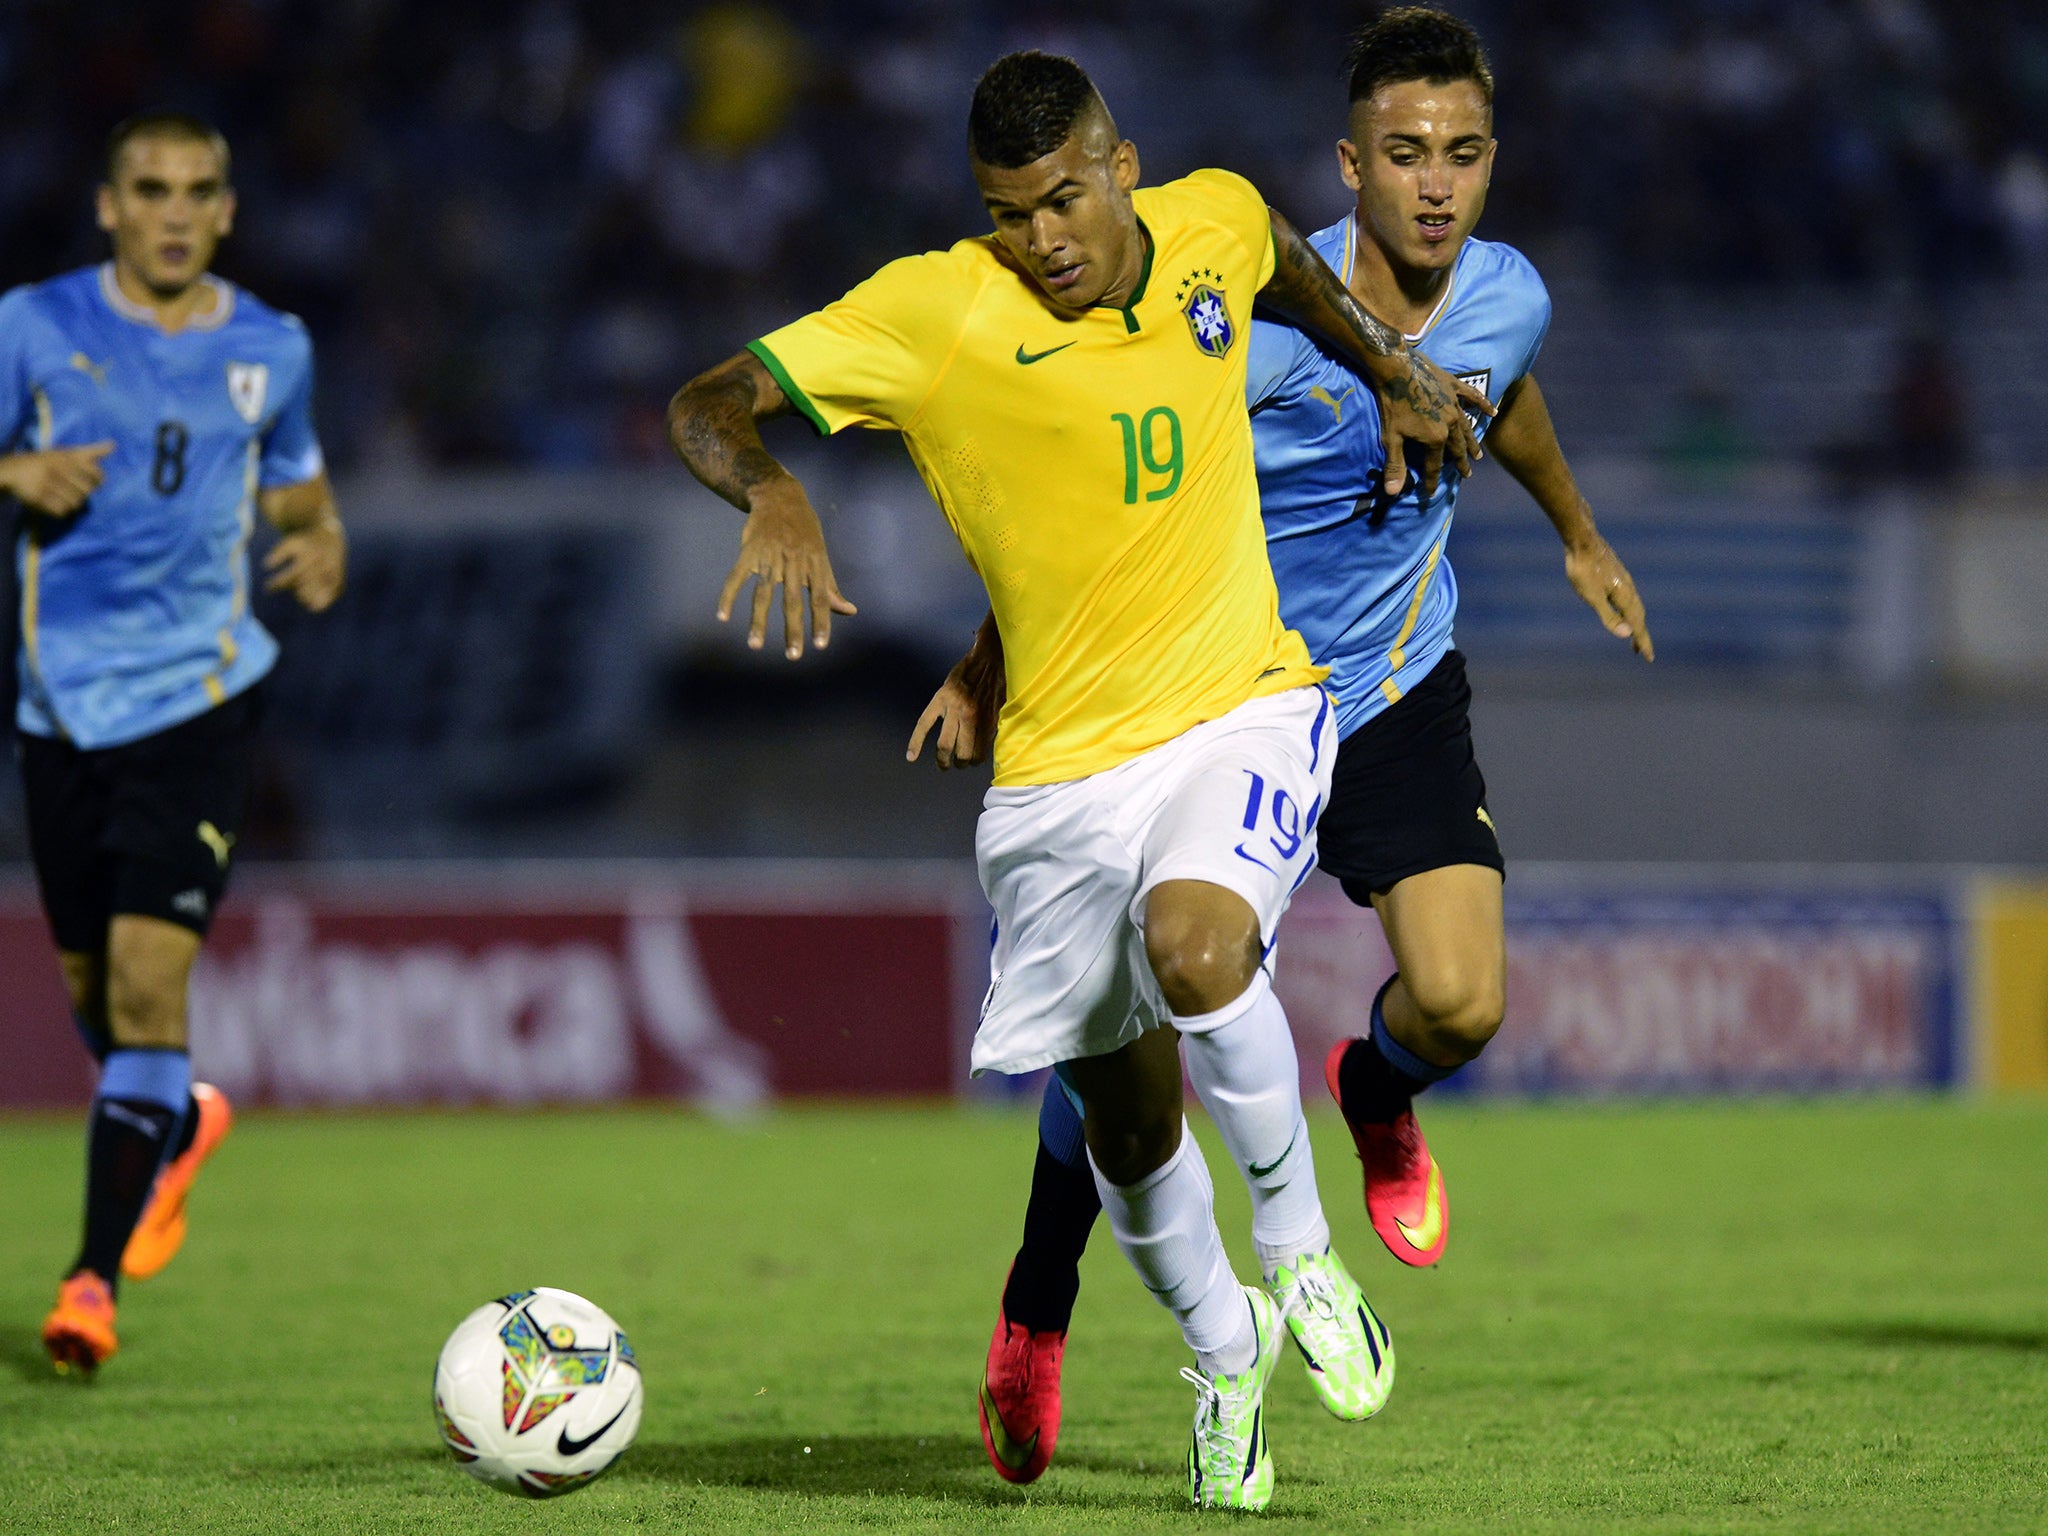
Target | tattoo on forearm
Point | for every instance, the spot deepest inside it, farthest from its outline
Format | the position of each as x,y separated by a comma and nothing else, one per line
1304,283
711,423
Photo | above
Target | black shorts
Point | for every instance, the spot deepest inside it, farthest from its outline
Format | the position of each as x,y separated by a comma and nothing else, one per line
146,829
1407,795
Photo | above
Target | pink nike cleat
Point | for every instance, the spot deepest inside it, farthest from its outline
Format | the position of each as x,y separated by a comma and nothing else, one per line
1404,1188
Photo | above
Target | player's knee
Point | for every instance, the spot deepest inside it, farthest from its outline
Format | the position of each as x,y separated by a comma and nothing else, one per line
1201,965
1461,1013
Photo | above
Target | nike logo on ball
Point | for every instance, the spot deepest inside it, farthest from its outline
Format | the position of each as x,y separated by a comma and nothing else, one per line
569,1445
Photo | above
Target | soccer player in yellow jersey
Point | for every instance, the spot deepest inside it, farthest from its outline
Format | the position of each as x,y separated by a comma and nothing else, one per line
1071,389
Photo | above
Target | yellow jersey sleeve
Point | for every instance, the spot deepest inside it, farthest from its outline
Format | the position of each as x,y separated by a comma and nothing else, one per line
1226,199
871,358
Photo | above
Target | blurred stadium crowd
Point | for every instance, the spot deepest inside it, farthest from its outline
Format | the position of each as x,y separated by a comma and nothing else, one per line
515,226
1800,252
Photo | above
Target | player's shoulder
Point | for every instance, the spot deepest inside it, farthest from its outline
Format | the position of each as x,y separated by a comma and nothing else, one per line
250,317
1213,196
932,284
1494,263
1333,243
50,299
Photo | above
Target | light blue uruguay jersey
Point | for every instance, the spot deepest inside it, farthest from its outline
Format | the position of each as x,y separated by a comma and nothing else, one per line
1367,583
135,609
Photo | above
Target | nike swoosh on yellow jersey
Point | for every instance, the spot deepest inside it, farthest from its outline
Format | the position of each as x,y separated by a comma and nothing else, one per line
1027,358
1012,1453
1425,1235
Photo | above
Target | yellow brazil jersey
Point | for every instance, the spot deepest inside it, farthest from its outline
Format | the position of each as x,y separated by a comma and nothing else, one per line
1096,467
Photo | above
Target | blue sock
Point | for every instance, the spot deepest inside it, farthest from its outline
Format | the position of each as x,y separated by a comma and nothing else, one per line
136,1116
1059,1124
1378,1075
1399,1057
1046,1276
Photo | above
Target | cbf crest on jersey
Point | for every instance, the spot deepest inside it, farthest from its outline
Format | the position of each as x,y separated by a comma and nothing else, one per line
248,384
1208,317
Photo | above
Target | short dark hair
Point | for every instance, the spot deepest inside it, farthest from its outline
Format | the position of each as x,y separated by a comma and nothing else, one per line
1416,42
164,125
1025,107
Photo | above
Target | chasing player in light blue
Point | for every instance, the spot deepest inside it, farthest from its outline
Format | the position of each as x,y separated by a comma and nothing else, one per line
1367,580
149,412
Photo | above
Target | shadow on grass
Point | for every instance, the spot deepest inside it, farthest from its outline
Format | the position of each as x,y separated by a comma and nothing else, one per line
837,1466
910,1466
22,1354
1901,1333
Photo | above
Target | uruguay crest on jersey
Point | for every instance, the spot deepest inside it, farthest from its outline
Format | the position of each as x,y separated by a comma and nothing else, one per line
248,383
1207,315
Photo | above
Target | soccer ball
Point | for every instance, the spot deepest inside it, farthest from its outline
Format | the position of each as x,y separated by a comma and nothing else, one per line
537,1393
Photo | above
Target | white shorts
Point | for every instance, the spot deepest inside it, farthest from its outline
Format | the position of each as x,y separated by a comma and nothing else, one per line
1067,867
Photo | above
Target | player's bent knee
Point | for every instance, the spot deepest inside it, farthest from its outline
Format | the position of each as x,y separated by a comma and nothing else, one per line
1472,1027
1461,1018
1201,978
1200,965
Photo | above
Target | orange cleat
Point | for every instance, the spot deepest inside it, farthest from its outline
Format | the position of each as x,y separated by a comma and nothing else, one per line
79,1332
1020,1399
161,1232
1404,1188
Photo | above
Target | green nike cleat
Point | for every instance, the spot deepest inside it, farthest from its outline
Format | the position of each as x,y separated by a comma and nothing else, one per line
1347,1350
1229,1465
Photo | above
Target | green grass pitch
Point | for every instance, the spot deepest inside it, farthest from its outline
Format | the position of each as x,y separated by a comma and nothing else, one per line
1747,1317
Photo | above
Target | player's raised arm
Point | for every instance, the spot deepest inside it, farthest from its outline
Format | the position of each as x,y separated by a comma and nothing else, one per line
311,559
1526,444
713,424
1420,403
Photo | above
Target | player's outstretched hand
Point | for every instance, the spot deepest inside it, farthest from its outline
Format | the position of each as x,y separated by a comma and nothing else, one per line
1597,575
311,564
1428,408
965,709
783,545
952,710
56,481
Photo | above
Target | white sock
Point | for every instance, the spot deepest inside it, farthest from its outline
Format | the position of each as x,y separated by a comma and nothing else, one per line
1241,1060
1166,1225
1240,1354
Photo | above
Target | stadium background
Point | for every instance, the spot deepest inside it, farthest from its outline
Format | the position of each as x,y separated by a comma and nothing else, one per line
533,827
534,832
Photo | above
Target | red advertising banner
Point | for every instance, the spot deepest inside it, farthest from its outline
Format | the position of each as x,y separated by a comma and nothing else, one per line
453,987
730,985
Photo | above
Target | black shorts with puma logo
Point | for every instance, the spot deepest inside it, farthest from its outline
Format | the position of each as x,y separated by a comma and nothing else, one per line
1406,795
147,828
